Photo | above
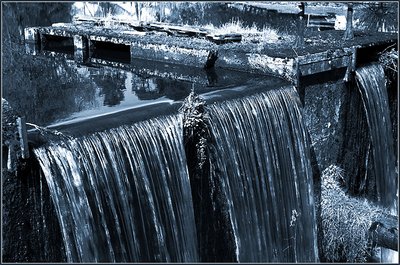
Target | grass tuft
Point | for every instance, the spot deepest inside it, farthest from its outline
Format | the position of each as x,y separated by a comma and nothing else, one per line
345,220
249,34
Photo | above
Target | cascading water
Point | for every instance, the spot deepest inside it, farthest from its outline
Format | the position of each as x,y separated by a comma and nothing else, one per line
123,195
371,83
261,153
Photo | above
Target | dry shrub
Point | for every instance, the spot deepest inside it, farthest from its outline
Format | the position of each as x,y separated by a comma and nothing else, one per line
389,58
249,34
345,220
195,125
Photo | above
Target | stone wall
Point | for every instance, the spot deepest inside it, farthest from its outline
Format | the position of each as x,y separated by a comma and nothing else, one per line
323,106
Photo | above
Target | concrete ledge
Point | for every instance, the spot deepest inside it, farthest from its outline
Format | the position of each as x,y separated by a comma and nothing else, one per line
31,35
169,53
324,52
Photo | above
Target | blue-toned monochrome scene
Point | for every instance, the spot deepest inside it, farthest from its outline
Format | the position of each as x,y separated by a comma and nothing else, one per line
199,132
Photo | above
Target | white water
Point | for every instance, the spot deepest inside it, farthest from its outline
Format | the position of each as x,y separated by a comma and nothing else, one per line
371,83
261,154
123,195
371,80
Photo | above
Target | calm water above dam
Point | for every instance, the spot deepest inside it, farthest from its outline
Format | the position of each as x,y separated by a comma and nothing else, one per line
51,90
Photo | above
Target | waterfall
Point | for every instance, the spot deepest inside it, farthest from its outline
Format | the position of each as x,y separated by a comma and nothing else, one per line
123,195
261,154
371,83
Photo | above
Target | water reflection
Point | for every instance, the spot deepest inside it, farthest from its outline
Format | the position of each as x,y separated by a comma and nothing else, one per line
50,87
49,90
112,86
48,84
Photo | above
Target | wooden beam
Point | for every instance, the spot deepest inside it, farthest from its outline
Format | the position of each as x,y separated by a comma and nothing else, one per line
385,233
23,139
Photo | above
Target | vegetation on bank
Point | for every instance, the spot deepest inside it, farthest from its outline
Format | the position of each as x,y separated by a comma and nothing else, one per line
346,221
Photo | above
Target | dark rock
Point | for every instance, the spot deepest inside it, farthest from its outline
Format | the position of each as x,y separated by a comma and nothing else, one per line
211,58
31,232
214,229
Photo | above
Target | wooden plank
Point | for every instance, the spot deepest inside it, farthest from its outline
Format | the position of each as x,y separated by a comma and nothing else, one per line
326,55
23,139
169,53
283,67
325,10
323,66
281,7
384,232
56,32
67,56
293,8
115,40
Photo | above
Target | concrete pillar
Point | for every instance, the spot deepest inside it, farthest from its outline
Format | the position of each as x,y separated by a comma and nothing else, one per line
32,48
32,35
81,48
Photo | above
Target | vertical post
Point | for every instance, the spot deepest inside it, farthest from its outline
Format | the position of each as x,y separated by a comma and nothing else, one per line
349,32
32,35
351,67
300,26
32,48
43,41
380,13
161,10
354,59
81,48
297,72
132,52
138,10
11,159
23,138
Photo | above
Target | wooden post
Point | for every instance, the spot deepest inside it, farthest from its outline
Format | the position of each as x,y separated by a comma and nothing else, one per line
384,232
138,10
23,138
11,159
354,59
211,58
349,32
381,12
298,74
81,48
32,48
31,35
300,26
